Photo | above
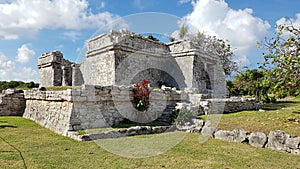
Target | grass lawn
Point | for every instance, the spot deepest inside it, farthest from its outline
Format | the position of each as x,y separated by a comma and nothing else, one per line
284,115
42,148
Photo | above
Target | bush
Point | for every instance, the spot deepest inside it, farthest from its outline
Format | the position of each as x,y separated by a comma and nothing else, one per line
182,116
141,95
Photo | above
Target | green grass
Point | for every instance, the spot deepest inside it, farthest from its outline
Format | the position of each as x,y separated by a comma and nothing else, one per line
62,87
283,115
42,148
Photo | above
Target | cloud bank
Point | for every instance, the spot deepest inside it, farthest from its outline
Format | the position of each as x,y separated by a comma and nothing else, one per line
19,17
9,71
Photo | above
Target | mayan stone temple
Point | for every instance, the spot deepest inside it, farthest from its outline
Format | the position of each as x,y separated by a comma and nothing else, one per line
116,56
98,91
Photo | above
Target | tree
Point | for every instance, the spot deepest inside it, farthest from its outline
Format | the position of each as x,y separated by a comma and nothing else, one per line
253,82
218,47
282,62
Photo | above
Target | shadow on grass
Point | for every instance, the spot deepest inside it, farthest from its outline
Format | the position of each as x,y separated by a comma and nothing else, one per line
7,126
127,123
279,105
296,112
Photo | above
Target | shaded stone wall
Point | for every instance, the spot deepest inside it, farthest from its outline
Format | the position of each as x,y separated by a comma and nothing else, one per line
12,103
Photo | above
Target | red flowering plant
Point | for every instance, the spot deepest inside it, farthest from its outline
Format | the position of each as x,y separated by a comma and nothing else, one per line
141,95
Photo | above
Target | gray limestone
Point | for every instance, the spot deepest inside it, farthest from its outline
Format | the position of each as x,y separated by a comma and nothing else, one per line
257,139
239,136
277,140
292,144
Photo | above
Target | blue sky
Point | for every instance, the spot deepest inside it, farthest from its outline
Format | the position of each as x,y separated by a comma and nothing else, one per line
29,28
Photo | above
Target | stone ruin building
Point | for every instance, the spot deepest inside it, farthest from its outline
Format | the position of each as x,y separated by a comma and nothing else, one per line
113,59
181,74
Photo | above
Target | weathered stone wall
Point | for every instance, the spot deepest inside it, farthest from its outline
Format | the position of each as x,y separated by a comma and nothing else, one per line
12,103
91,107
51,109
228,105
99,69
54,115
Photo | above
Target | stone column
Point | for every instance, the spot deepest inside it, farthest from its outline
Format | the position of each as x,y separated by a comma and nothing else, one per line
77,78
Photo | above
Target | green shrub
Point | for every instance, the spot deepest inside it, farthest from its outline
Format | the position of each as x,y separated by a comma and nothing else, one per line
182,116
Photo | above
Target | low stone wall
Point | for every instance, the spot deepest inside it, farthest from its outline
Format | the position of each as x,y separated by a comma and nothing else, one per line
275,140
92,107
12,103
228,105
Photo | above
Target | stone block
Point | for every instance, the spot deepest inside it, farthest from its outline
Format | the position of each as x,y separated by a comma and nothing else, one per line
292,143
257,139
238,136
224,135
208,131
277,140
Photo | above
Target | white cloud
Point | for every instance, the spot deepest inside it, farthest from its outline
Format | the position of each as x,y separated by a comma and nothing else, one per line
6,64
9,71
240,27
25,54
24,17
288,21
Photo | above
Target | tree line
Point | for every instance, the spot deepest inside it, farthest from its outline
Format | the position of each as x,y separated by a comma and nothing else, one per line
17,84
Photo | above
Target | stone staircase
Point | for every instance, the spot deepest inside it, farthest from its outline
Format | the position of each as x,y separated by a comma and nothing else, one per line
166,116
